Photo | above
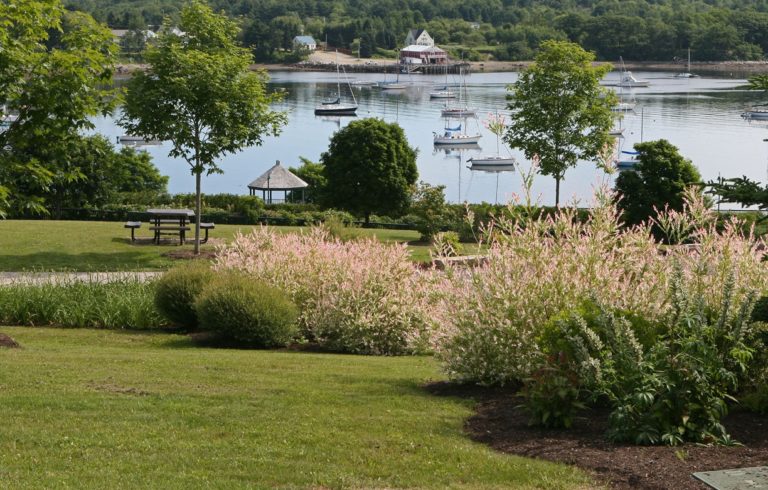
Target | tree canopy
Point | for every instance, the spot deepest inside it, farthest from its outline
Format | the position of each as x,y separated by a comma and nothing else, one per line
370,168
55,74
560,113
659,179
199,93
660,30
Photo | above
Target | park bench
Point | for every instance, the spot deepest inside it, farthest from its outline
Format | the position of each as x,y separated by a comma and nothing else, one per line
133,225
206,227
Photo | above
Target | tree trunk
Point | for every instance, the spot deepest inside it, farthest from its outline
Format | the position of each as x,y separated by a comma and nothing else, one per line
367,219
198,205
557,191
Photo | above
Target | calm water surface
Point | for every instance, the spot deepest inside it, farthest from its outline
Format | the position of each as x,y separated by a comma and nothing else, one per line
701,116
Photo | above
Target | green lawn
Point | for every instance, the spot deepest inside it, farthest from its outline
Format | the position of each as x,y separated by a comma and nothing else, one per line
106,409
105,246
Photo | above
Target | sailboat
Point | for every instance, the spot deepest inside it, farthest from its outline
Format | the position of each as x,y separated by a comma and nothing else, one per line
627,80
623,105
628,159
334,106
393,85
460,110
687,73
444,92
456,136
490,162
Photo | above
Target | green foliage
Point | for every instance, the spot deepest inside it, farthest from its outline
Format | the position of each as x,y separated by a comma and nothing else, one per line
560,113
199,93
246,310
55,75
370,168
740,190
658,180
552,394
177,290
312,174
429,210
446,244
675,390
126,303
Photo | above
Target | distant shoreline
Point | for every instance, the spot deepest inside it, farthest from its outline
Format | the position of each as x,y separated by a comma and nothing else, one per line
722,68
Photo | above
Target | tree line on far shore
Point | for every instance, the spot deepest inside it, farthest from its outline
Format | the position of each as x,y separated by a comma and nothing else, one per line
640,30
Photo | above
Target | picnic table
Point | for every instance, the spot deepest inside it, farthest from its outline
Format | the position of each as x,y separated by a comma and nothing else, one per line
170,222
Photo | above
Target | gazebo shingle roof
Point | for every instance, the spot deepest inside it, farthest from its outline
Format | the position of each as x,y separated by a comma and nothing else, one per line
277,178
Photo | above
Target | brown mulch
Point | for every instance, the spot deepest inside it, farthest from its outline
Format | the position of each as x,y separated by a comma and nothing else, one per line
500,424
6,341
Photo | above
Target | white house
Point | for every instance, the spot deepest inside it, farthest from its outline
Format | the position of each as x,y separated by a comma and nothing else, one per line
307,42
423,55
419,37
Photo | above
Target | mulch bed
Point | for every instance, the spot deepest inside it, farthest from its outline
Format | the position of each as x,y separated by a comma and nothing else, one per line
6,341
499,424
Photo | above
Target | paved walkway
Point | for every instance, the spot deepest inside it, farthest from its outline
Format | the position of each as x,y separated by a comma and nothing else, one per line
63,277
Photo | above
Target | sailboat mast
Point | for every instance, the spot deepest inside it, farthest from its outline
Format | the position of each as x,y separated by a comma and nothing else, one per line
338,81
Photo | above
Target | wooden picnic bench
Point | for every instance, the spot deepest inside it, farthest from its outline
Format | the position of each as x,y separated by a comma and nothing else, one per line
170,222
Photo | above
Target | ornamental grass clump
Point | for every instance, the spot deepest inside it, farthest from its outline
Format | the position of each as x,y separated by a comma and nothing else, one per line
540,267
360,296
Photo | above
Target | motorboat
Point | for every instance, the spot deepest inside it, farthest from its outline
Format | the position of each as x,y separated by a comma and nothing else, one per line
629,81
756,112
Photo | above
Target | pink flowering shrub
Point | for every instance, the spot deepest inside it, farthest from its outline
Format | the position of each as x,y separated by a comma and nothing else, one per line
360,296
538,268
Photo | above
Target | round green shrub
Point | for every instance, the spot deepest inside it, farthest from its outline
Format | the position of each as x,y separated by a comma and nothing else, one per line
177,290
246,310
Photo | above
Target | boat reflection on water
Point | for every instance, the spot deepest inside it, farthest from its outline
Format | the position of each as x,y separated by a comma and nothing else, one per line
457,151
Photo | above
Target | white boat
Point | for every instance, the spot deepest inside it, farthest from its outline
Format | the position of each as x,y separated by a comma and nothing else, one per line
624,107
460,109
362,83
492,168
687,73
496,125
442,93
756,112
455,136
628,81
392,86
334,106
130,140
493,161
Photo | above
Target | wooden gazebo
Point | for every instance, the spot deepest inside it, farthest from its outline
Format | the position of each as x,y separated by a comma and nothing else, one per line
277,178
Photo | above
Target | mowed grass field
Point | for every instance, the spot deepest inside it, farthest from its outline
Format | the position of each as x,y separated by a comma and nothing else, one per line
105,246
110,409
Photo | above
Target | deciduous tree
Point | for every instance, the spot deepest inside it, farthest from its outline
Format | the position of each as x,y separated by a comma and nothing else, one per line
200,94
559,110
55,75
370,168
659,179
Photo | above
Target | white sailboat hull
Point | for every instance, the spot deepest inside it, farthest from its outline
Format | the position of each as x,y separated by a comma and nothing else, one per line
456,139
492,161
336,109
755,114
